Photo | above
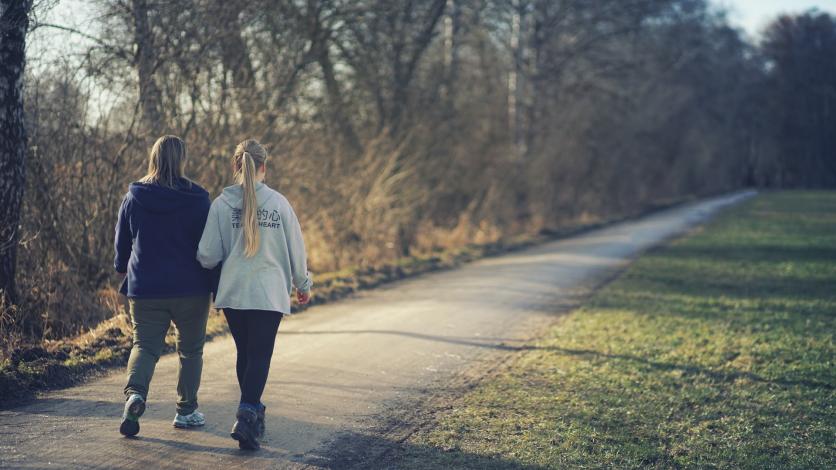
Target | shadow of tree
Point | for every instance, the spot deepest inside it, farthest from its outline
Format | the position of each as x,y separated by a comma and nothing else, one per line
723,376
748,252
719,266
480,342
352,450
502,344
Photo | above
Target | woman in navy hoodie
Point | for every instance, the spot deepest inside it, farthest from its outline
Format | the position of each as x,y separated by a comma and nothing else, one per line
160,223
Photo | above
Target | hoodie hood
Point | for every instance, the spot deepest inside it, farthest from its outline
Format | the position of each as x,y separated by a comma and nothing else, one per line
233,195
159,199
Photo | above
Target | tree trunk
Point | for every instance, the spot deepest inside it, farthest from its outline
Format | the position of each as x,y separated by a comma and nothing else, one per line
407,56
236,59
14,22
149,93
335,98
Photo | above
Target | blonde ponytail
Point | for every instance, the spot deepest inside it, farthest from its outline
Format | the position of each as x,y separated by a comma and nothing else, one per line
249,157
252,237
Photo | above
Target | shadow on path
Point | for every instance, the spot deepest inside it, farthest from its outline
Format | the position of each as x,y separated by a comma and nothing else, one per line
350,450
227,450
487,342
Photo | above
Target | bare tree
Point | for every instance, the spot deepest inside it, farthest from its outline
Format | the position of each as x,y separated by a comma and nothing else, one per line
145,61
384,42
14,23
399,127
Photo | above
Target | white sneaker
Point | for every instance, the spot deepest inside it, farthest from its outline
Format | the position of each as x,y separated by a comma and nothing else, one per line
193,420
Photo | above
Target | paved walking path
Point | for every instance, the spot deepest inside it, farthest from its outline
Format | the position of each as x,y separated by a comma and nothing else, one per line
339,369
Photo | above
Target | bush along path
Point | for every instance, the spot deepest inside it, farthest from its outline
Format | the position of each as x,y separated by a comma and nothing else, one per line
715,351
29,369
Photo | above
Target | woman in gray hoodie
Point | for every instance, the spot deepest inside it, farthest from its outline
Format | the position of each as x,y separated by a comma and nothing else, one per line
254,234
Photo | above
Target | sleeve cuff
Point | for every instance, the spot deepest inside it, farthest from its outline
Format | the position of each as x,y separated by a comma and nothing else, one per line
306,285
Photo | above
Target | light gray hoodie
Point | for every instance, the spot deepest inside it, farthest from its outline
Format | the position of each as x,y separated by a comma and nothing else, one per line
262,282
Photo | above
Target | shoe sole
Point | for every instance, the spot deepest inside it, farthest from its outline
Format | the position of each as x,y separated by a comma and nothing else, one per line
186,425
130,427
246,439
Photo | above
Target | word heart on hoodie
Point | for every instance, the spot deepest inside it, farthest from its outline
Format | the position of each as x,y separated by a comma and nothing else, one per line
266,218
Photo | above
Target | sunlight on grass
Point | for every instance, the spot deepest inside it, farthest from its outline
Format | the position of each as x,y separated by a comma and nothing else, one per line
715,351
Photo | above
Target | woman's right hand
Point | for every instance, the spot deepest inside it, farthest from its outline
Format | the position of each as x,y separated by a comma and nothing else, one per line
303,297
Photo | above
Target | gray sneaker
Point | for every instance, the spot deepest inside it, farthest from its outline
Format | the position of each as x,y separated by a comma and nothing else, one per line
192,420
134,407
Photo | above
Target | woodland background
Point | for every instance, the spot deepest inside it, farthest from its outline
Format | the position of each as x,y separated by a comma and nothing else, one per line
401,127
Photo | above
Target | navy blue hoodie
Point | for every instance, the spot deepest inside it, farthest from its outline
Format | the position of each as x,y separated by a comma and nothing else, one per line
156,240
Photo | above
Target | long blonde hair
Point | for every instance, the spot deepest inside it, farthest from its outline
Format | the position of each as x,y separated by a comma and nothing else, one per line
167,162
248,158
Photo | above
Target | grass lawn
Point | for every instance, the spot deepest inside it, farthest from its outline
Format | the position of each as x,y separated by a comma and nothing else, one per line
716,351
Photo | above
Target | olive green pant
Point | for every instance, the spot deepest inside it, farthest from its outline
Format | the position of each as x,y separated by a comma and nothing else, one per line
151,319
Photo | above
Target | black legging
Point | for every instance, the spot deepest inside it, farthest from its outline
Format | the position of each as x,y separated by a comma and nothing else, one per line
254,332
